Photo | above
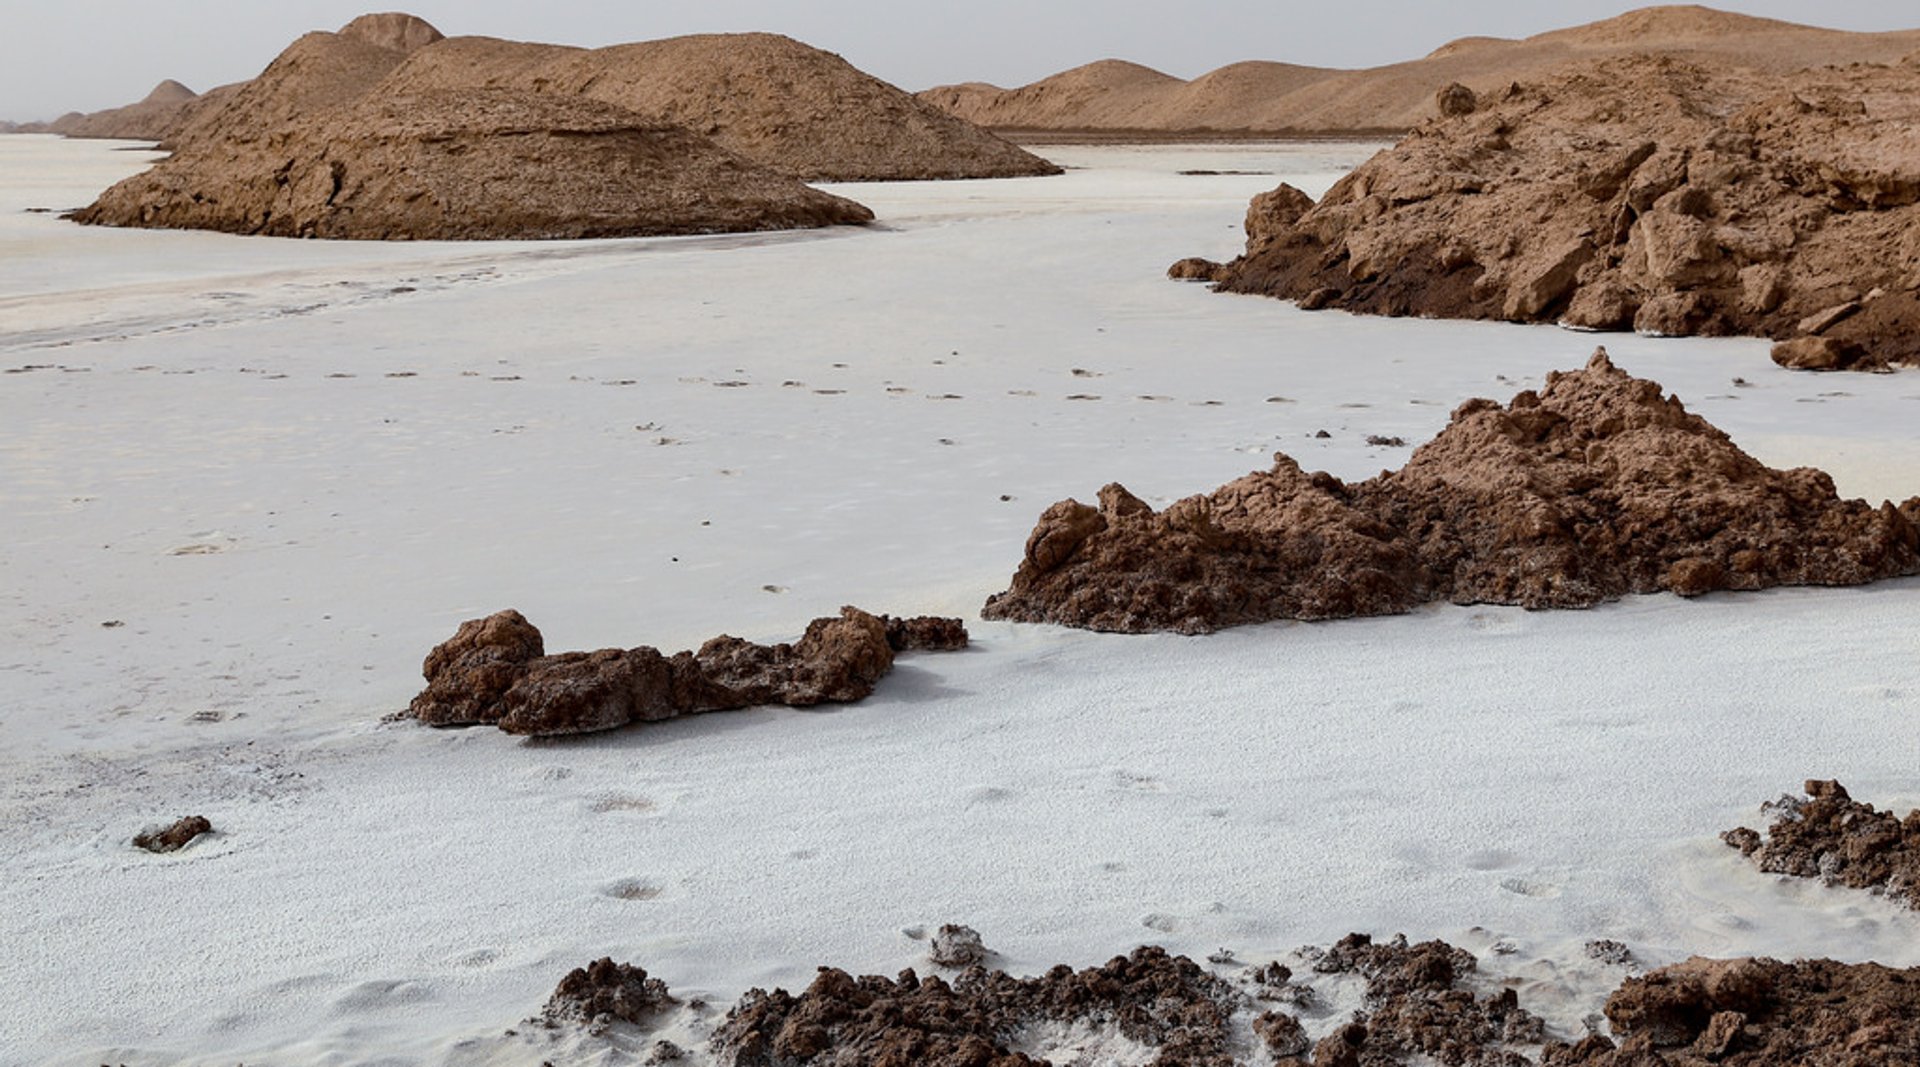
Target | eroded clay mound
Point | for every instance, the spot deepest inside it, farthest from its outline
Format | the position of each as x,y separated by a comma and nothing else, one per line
790,107
603,991
1596,487
1638,192
494,671
1832,837
475,165
1166,1003
1416,1006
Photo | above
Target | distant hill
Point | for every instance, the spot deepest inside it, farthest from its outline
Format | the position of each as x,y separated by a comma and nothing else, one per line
1282,98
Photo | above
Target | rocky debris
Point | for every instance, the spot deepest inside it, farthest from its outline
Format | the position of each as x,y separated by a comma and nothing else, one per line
1638,192
925,633
957,947
1167,1003
1757,1013
1194,269
1840,841
1595,487
479,165
604,990
1415,1007
785,105
175,837
495,671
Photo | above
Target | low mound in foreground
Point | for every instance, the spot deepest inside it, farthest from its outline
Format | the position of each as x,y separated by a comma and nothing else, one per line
1643,193
484,164
1596,487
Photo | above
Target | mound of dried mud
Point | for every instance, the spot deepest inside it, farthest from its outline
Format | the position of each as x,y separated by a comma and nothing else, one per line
1840,841
1640,192
1596,487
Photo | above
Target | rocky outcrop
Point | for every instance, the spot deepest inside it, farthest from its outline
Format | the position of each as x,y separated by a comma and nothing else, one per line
604,990
174,837
494,671
395,31
1165,1003
1644,193
785,105
1757,1013
1596,487
1840,841
479,165
1417,1007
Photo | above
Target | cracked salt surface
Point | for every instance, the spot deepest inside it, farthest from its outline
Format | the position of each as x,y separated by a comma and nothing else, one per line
378,891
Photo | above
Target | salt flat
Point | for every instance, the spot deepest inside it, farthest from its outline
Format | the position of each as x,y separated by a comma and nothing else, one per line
287,469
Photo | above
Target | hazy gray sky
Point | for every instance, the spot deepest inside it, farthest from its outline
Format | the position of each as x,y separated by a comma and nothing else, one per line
82,55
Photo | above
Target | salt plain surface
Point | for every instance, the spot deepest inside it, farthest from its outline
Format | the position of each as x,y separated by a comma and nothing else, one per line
287,469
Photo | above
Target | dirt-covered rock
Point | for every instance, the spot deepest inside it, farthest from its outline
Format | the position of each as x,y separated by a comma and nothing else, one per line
1642,192
1597,486
957,947
1166,1003
605,990
494,671
1832,837
175,836
1416,1007
1757,1013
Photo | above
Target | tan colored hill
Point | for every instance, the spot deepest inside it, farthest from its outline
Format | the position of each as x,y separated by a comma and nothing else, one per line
1642,192
1107,94
318,72
147,120
1399,96
471,164
787,105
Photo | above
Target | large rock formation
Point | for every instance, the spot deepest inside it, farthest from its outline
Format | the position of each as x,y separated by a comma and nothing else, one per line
1593,488
1832,837
1280,98
494,671
1643,193
483,164
798,110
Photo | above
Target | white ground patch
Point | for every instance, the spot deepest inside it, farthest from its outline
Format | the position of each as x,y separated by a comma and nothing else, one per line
246,484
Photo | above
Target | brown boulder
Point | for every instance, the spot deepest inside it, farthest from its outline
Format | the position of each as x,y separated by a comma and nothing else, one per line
605,990
174,837
1674,196
1596,487
493,670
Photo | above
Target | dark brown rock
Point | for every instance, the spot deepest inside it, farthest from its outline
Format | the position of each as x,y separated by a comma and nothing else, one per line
604,990
493,671
1415,1006
1762,1013
1597,487
1832,837
174,837
469,672
925,633
1193,269
1672,196
1165,1002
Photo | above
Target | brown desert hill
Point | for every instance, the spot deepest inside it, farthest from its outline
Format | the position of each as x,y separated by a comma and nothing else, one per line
147,120
1105,94
1636,192
784,104
1595,487
467,165
318,72
395,31
1399,96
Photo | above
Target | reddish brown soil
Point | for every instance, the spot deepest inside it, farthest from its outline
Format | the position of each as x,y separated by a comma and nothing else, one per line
1832,837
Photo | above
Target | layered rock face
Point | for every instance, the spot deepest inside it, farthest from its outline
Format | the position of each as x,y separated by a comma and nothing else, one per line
1641,192
495,671
484,164
1596,487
